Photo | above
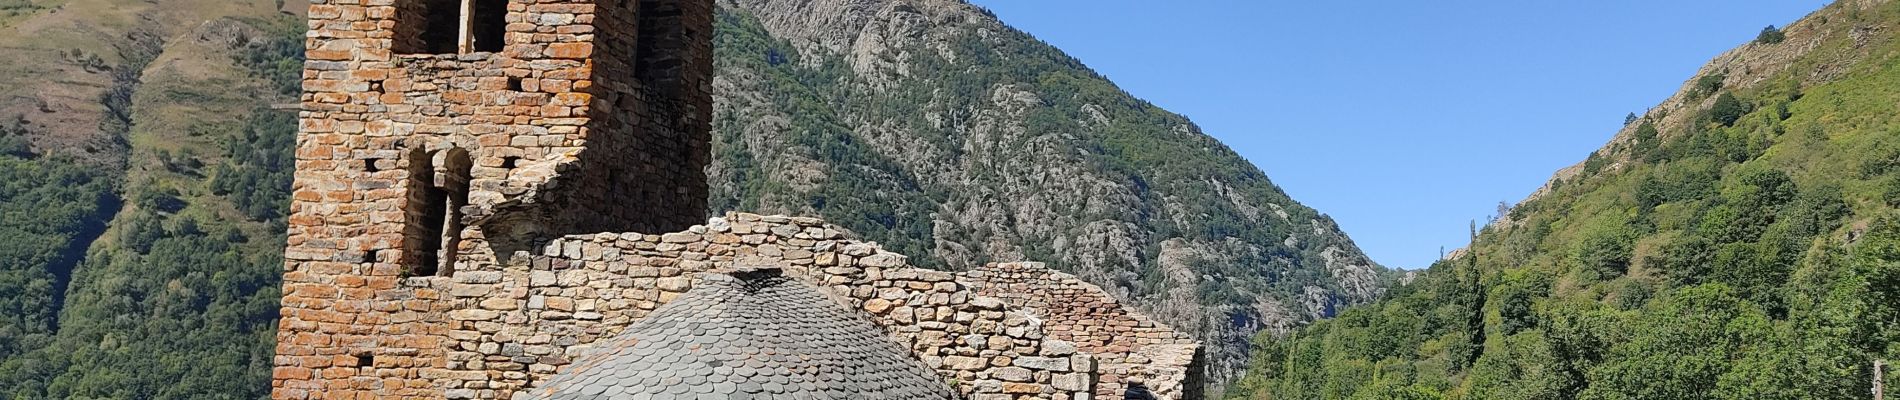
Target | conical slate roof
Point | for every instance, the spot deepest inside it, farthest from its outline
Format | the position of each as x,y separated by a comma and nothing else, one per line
752,335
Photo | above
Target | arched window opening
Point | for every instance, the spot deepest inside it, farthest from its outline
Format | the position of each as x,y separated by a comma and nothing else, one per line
433,231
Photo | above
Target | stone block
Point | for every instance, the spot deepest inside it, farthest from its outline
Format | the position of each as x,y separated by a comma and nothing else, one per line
961,363
1044,363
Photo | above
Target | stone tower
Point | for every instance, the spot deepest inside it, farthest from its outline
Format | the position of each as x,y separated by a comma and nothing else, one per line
440,138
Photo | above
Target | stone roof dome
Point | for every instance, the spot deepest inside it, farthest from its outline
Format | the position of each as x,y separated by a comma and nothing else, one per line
748,335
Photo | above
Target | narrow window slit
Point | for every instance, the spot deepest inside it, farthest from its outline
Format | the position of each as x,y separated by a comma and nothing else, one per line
434,210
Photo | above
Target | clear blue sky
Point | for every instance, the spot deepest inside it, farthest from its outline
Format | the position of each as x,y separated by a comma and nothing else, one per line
1403,120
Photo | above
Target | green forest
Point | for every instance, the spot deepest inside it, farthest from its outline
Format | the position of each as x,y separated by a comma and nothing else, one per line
1750,253
178,298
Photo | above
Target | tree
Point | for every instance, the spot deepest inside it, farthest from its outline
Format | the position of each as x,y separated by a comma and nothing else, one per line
1727,109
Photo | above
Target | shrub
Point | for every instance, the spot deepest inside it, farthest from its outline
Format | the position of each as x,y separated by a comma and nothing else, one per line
1727,109
162,200
1770,35
1646,144
1891,193
1604,249
13,139
1708,84
14,146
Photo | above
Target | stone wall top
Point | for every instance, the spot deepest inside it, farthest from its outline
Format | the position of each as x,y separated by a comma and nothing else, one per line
523,321
1128,345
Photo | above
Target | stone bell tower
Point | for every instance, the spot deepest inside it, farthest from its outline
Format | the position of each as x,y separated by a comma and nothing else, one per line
444,137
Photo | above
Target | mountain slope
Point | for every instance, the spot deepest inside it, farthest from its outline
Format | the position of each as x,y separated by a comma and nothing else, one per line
1739,240
167,287
934,128
149,268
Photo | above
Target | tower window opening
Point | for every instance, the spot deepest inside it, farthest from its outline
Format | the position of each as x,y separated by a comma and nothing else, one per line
434,211
450,26
488,24
455,184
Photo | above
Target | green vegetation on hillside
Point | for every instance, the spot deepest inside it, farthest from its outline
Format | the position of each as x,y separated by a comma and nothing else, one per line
179,299
867,192
48,210
1751,253
880,199
12,8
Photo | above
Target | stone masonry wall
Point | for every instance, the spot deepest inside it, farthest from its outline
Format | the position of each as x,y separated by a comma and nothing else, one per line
499,328
1126,343
556,148
521,322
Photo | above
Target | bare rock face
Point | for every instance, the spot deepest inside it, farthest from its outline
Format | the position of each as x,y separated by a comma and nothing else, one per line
933,128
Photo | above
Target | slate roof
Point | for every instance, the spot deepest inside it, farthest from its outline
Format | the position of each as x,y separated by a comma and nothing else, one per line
751,335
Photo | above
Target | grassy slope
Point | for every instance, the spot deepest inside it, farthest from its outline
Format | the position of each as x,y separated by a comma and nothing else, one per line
63,55
1718,249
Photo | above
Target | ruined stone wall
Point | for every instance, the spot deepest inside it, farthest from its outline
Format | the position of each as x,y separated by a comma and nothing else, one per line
1125,343
521,322
556,148
509,326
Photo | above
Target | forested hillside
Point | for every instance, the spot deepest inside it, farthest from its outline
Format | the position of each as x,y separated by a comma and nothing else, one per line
149,268
932,127
145,176
1738,241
